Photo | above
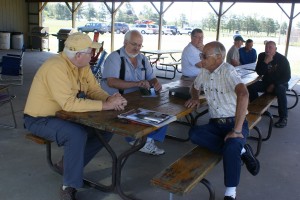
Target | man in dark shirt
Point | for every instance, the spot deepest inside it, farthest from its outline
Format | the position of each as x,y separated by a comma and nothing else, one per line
276,72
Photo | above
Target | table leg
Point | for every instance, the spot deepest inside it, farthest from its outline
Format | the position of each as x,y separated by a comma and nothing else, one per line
120,163
117,165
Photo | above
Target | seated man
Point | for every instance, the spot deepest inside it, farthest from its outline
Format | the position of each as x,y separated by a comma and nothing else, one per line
247,53
233,56
65,82
227,129
276,72
127,70
190,60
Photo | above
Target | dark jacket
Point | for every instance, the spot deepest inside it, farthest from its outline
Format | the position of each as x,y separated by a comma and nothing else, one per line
276,72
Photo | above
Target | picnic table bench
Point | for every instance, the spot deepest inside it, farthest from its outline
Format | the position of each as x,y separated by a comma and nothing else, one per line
186,172
169,67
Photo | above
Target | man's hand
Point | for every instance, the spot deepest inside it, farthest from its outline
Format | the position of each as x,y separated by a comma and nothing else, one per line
157,86
270,88
192,103
144,84
199,64
268,58
200,46
116,102
232,134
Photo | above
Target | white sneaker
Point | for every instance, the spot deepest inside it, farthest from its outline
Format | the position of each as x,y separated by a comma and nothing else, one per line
151,148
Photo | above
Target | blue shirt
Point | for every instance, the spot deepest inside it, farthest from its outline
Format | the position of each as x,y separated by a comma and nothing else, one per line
112,66
247,57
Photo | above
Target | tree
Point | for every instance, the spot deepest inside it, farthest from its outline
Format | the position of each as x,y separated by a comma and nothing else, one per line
251,24
284,27
90,12
269,25
211,21
49,11
62,12
183,20
103,12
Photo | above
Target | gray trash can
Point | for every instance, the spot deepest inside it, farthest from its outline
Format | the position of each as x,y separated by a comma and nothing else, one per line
5,40
17,40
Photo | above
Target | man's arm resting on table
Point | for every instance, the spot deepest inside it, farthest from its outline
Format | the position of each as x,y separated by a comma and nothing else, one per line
121,84
194,100
114,102
155,84
235,62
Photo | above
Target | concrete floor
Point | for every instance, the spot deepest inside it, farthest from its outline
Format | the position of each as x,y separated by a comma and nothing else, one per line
25,175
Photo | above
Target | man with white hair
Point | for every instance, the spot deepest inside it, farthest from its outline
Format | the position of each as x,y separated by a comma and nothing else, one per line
127,70
227,129
65,82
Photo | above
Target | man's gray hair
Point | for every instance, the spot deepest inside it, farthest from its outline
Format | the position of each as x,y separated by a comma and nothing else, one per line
71,54
219,48
127,36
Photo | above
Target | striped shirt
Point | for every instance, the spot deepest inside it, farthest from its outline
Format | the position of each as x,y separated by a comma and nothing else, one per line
219,88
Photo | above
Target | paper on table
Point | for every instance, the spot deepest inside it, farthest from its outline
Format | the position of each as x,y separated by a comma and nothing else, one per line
149,117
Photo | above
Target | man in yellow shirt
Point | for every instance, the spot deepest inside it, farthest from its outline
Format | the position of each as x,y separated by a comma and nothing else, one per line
65,82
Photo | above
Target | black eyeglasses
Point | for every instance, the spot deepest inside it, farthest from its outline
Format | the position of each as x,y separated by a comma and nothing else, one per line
204,56
136,45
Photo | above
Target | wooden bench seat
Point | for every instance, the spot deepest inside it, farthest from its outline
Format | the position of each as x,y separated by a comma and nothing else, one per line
164,67
40,140
185,173
260,107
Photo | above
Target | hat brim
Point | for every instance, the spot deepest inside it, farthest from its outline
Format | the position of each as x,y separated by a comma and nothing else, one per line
95,45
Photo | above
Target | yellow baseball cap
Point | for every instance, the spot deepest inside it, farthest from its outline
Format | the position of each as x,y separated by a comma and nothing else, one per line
79,41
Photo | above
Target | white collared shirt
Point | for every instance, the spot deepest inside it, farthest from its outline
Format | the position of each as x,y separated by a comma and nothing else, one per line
189,58
219,88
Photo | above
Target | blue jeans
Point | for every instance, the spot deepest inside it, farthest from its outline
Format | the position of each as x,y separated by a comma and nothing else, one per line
279,91
80,144
158,135
211,136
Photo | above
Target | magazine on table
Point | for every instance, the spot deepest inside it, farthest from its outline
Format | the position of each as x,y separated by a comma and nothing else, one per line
148,117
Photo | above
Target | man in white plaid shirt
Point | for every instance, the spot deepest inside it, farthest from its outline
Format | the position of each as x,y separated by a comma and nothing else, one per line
227,129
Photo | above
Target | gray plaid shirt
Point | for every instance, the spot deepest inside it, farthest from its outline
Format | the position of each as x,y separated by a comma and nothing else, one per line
219,88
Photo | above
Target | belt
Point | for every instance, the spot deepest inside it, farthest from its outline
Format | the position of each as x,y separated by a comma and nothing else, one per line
226,120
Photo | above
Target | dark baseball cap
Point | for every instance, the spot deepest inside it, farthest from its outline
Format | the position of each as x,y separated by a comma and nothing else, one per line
239,38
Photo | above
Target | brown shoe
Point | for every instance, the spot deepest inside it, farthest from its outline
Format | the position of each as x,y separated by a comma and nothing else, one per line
68,193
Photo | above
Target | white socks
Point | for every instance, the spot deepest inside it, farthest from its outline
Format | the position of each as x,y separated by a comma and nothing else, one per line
231,192
243,150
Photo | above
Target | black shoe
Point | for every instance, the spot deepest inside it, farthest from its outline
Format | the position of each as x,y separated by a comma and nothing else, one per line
282,122
250,160
68,193
229,198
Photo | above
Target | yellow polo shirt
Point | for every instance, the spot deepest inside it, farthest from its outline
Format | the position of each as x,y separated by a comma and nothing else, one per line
56,85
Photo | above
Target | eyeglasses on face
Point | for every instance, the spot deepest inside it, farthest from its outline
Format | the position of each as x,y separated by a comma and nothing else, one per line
136,45
204,56
90,53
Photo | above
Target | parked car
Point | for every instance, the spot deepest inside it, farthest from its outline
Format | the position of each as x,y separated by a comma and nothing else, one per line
155,28
120,27
185,30
166,31
172,27
100,27
143,28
